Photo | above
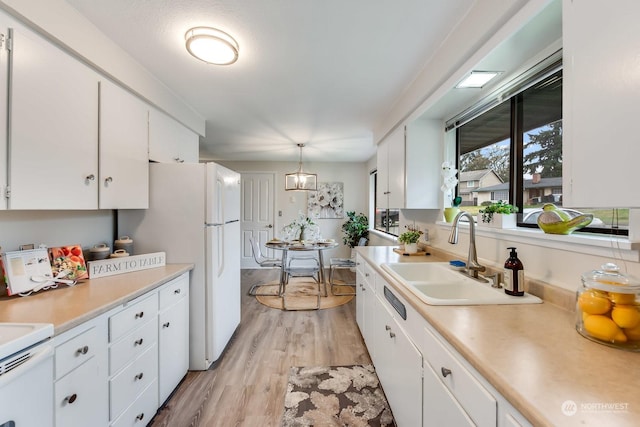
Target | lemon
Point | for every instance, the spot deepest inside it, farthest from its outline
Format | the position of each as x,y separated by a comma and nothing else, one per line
633,333
603,328
619,298
626,316
594,302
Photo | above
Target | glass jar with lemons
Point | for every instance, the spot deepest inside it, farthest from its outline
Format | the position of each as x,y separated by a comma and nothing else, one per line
608,308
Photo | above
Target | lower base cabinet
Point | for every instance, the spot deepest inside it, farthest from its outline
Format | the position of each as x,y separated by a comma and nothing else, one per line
426,381
118,368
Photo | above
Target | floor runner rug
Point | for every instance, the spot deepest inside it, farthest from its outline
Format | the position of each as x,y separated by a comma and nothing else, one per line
335,396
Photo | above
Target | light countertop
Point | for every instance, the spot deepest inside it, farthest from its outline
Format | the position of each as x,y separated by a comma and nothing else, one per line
533,356
67,307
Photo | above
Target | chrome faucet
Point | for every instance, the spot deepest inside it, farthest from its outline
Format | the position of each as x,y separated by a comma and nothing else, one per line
473,267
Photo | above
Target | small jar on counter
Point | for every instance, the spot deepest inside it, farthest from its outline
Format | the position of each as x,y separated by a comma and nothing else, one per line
124,242
98,252
608,308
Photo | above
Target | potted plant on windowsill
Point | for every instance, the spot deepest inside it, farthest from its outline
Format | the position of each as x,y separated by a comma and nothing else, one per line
498,215
449,182
410,240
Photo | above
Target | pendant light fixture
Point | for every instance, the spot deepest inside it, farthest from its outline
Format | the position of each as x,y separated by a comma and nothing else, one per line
300,180
211,45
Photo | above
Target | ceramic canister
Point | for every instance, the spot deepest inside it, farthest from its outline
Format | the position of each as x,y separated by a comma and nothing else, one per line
98,252
124,242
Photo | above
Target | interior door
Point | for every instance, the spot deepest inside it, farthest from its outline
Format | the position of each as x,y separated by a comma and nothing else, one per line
257,213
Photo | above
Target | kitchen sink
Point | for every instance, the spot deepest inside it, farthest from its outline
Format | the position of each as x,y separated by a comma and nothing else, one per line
437,283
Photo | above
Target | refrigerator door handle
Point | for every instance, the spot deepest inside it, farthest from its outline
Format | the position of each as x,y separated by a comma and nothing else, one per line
221,252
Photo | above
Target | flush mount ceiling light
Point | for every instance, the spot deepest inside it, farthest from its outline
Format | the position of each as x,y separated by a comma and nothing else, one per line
212,45
300,180
477,79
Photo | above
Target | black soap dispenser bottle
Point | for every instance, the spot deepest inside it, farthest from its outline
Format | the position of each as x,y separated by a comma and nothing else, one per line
513,275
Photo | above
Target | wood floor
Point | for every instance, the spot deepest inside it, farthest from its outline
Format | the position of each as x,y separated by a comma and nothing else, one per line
247,387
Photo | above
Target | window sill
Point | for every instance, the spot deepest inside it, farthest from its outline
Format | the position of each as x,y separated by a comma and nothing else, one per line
591,244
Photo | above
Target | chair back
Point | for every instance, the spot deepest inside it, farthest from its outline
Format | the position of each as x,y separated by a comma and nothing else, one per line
255,250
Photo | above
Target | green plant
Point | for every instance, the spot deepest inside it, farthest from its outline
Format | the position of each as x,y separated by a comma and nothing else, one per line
355,228
499,207
411,236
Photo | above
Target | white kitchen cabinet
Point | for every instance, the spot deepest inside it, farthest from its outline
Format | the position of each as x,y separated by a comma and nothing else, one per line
170,141
53,139
123,180
80,389
439,406
391,170
4,99
424,145
601,89
360,292
173,335
365,303
399,365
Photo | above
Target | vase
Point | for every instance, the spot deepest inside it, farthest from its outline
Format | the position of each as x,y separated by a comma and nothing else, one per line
499,221
410,248
304,234
450,213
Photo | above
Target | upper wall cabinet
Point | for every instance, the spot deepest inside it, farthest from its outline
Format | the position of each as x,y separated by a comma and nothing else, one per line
53,118
408,162
124,149
4,79
169,141
600,102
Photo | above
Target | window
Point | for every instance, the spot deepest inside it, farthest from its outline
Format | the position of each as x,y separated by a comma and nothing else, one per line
471,184
513,148
386,220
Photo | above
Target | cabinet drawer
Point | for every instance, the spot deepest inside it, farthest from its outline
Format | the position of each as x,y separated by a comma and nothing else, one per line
125,387
369,274
81,397
133,345
479,404
174,290
76,351
141,410
132,317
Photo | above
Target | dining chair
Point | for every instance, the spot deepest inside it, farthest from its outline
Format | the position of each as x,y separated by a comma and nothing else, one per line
262,261
342,263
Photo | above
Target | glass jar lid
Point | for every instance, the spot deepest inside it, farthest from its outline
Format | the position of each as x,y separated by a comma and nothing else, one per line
608,278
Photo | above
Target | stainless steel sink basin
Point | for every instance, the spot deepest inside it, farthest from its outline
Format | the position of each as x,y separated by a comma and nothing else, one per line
436,283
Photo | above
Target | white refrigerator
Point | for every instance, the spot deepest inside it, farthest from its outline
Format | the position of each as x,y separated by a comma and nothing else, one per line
193,216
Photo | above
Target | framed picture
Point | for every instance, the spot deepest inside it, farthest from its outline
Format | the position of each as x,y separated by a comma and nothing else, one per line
327,201
22,266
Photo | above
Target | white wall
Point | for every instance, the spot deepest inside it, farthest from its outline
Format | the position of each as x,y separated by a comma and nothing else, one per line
354,177
55,228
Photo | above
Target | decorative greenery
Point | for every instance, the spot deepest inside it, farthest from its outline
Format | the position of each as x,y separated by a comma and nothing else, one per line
499,207
355,228
296,229
411,236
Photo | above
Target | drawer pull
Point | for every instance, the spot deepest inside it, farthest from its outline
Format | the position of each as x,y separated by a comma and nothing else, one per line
91,177
177,291
138,342
139,376
70,399
139,315
387,327
140,417
83,350
166,325
366,274
445,372
392,335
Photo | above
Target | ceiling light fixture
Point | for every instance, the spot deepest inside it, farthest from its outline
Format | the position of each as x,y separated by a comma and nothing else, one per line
300,180
212,45
477,79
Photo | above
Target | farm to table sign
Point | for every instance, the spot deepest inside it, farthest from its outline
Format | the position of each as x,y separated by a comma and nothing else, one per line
113,266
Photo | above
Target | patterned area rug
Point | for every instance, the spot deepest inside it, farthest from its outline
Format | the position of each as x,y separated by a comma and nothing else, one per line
335,396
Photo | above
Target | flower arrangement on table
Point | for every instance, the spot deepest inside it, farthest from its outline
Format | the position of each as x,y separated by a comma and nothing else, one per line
302,228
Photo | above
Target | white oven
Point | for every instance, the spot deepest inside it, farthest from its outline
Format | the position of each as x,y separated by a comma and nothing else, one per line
26,375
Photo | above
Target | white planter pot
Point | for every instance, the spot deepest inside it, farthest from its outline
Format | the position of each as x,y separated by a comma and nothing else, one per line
499,221
411,248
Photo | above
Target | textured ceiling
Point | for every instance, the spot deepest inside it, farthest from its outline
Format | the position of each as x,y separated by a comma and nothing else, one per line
322,72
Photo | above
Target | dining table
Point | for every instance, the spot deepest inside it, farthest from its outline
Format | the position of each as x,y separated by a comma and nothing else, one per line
285,247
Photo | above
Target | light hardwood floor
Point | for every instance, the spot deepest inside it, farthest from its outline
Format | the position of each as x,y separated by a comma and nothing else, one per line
247,387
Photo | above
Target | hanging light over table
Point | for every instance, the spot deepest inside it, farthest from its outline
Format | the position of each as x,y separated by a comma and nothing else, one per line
300,180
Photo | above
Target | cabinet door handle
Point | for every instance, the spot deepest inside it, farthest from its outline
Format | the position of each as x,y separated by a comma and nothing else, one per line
166,325
139,315
108,180
70,399
445,371
83,350
140,417
138,342
177,291
91,177
139,376
392,335
387,327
